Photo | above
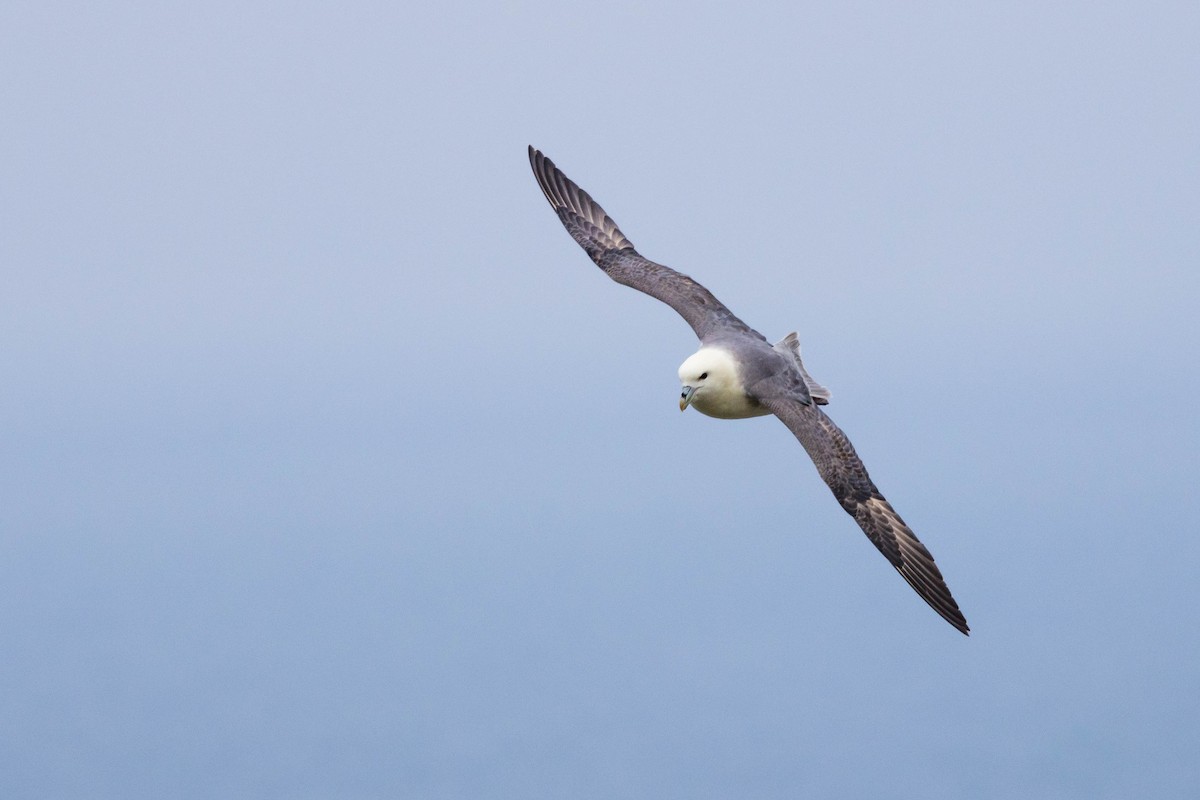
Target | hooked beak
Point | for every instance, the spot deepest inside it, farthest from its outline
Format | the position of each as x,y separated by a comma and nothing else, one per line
685,399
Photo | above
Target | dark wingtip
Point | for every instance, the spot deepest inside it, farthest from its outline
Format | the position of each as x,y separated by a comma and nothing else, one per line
945,606
543,170
954,616
960,623
592,228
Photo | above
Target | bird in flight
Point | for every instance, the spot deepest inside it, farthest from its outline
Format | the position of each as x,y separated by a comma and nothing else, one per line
737,373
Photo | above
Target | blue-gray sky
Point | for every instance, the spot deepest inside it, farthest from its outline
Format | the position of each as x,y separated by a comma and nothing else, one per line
333,468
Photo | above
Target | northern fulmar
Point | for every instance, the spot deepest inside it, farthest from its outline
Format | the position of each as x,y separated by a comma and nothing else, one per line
737,373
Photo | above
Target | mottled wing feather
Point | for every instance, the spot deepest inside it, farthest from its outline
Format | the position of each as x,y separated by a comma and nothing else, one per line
600,237
842,469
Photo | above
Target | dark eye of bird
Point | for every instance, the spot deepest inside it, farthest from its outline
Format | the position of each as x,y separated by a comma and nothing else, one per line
703,375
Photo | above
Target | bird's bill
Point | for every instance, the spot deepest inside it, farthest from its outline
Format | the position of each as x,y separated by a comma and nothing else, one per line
685,399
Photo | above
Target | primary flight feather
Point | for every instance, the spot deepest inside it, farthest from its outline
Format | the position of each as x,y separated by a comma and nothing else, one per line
737,373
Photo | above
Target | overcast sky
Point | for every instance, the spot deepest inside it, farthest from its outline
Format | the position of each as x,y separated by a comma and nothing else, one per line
332,467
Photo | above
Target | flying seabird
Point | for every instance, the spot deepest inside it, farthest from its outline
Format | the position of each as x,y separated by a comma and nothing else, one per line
737,373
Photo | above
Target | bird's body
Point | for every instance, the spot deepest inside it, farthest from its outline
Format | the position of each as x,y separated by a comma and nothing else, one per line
737,373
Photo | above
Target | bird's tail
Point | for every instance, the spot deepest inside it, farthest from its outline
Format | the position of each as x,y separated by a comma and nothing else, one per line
790,345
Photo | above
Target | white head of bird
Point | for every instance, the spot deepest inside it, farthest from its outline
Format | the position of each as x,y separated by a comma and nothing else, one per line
711,382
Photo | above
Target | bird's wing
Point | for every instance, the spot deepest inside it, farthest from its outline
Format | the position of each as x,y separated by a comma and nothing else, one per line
843,470
597,234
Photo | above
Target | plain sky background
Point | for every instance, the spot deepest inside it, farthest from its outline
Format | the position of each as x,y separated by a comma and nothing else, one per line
332,467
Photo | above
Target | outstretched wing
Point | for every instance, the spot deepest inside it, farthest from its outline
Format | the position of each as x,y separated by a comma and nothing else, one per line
597,234
843,470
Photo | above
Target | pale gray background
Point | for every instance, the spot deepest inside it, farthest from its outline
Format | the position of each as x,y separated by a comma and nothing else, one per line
333,468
